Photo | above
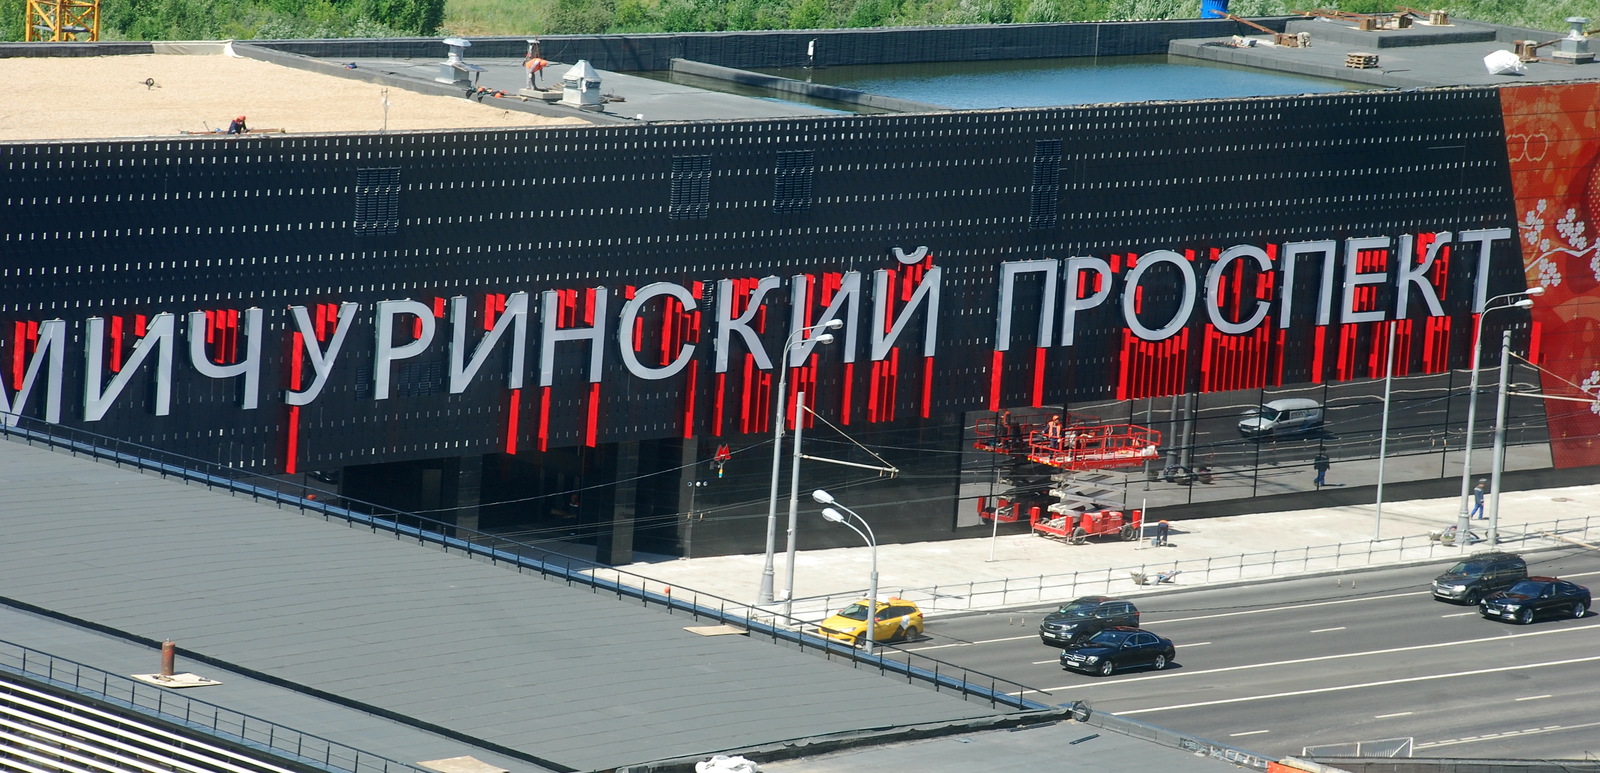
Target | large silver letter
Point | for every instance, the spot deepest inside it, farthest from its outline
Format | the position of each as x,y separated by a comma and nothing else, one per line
630,312
321,363
1074,304
927,293
158,335
1415,275
386,353
1047,309
1354,278
1214,289
249,367
1291,252
847,299
727,325
52,345
553,335
1179,319
515,318
1485,238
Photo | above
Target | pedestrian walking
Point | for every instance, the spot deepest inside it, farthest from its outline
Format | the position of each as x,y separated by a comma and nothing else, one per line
1477,500
1321,465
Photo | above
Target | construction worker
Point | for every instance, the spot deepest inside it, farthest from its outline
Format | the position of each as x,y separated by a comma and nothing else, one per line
237,126
534,65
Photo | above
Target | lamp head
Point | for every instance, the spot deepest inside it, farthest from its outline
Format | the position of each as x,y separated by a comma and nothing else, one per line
1535,291
832,515
836,323
1525,303
822,497
827,338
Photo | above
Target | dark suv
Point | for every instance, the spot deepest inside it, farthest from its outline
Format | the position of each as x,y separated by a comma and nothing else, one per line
1081,618
1479,575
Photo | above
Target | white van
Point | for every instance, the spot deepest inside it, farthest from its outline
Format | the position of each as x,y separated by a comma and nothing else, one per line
1283,417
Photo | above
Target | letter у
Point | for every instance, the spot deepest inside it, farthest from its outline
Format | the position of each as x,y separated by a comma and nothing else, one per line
321,362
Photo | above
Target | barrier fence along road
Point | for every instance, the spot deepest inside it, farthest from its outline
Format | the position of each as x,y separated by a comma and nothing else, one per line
1053,588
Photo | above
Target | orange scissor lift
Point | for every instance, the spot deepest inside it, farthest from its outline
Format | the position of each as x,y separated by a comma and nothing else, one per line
1078,445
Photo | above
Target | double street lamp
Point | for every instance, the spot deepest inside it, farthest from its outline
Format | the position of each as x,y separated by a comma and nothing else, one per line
1525,300
831,514
781,401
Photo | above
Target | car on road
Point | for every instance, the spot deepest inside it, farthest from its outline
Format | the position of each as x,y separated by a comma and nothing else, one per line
1115,649
1083,617
1282,417
897,620
1479,575
1535,597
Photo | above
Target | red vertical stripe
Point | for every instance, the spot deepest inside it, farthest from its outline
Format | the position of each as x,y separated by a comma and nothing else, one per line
718,404
1038,376
1535,352
291,461
513,418
544,419
927,386
994,380
591,427
849,390
692,383
116,344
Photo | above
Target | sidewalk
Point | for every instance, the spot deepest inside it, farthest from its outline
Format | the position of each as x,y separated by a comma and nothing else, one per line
1022,569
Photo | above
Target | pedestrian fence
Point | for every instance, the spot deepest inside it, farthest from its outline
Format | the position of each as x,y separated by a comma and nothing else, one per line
1383,747
711,614
1054,588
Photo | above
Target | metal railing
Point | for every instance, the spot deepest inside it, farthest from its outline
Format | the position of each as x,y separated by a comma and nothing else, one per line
208,718
1049,588
526,558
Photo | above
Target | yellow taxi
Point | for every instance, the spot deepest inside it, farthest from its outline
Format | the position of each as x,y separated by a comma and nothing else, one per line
897,620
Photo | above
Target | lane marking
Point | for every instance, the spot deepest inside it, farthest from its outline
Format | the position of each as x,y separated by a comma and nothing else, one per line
975,643
1042,662
1309,605
1533,698
1396,714
1358,686
1498,736
1320,658
1196,644
1459,614
1249,732
1327,630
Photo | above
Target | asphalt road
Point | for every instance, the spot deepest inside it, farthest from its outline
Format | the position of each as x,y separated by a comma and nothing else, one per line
1275,667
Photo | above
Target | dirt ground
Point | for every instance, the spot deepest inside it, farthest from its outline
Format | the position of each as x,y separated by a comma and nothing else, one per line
98,97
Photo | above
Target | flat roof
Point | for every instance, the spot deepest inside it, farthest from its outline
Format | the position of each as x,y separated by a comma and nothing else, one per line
461,656
195,89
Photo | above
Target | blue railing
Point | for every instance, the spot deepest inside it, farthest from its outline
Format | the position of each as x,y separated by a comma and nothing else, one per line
916,669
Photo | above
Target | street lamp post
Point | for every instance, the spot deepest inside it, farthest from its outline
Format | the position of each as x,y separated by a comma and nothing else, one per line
1463,524
780,401
1498,462
835,516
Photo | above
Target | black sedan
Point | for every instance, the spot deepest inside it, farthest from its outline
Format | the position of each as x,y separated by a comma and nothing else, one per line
1118,648
1536,596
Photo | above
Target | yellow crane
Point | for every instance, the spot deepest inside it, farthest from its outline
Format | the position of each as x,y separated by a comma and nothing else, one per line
63,20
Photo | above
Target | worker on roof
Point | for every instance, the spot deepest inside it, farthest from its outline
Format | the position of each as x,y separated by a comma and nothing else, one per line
237,126
534,65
